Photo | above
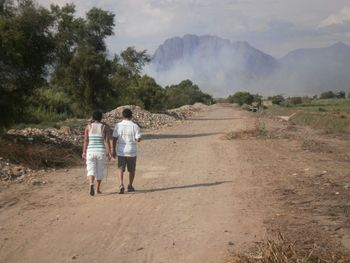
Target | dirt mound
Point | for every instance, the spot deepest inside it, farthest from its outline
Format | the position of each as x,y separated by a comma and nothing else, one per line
62,136
186,111
145,119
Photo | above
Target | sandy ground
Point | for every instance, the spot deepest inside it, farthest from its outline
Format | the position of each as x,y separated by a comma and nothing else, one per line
188,206
199,198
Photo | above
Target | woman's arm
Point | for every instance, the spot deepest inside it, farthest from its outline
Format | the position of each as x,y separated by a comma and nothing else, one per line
107,141
86,142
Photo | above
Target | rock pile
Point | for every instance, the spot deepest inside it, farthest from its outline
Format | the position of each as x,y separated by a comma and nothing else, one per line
63,136
187,111
11,172
145,119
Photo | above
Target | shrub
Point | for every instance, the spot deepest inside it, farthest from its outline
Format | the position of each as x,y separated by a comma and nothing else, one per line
278,99
241,97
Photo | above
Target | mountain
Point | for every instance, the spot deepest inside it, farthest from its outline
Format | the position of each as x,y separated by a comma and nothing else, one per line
218,65
315,70
221,67
337,53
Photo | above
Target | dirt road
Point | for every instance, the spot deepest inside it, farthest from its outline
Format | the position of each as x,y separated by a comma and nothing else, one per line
191,204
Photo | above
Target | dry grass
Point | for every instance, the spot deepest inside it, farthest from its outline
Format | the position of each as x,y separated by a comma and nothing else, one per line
281,250
38,155
259,131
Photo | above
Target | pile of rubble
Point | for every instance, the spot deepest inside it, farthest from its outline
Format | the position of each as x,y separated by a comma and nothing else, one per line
63,136
187,111
12,172
143,118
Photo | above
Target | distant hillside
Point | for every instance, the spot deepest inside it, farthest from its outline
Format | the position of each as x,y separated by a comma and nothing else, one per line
218,65
221,67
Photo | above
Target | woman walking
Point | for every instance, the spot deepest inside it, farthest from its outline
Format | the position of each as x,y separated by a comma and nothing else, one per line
96,145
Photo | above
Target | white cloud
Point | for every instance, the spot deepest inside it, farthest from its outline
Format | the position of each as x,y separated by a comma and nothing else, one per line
336,19
268,24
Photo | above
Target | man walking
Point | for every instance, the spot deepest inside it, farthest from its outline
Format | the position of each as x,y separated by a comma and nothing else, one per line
126,134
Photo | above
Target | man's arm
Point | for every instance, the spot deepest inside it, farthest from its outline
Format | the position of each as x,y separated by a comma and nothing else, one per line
138,133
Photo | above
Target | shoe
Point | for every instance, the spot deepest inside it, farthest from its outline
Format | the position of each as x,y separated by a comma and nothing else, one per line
92,190
131,189
121,189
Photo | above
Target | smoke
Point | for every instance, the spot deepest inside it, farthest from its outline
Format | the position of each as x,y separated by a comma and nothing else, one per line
221,71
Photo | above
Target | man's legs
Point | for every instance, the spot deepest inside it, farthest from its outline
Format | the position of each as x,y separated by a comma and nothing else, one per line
121,169
131,164
131,177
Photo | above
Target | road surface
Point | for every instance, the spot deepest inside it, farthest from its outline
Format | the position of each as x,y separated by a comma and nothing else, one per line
191,203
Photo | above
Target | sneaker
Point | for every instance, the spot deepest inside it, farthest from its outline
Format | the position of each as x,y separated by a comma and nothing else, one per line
121,189
92,190
131,189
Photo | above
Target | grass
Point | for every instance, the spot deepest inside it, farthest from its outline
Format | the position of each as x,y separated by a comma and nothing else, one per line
281,250
330,114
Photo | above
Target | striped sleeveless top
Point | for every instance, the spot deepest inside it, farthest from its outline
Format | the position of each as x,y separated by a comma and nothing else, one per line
96,138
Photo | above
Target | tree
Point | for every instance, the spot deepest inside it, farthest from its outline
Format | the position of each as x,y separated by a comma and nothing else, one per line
186,93
327,95
277,99
295,100
81,65
135,60
340,95
241,97
27,48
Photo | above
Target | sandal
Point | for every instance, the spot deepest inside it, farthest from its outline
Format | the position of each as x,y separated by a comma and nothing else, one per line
92,190
121,189
131,188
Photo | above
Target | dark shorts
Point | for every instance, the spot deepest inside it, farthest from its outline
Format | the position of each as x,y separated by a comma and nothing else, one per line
128,162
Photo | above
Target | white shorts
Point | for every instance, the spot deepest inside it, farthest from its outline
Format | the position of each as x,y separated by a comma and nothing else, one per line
95,164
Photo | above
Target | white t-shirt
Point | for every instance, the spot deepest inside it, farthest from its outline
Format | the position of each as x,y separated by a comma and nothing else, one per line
127,133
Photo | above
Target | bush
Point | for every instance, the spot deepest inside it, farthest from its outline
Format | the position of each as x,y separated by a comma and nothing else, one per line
241,97
186,93
278,99
295,100
327,95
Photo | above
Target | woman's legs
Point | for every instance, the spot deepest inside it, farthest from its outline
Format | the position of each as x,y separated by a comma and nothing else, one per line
91,181
98,186
100,165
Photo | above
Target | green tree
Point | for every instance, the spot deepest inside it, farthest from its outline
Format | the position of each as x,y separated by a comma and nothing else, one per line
327,95
135,60
242,97
186,93
27,48
82,66
277,99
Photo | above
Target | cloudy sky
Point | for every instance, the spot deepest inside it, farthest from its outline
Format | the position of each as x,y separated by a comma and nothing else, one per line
274,26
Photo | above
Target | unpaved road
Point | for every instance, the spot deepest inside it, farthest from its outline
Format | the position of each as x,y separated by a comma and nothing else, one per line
191,204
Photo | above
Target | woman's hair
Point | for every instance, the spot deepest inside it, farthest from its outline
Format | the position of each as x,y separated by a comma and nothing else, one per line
127,113
97,115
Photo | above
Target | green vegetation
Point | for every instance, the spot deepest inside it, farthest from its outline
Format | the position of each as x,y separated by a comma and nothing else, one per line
332,114
243,97
56,65
185,93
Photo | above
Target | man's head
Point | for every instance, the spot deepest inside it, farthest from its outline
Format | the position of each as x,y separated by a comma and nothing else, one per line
97,115
127,114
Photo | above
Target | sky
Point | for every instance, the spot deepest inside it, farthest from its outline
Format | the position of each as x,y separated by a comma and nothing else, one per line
273,26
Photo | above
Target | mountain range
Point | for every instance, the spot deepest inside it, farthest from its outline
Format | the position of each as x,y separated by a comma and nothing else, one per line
222,67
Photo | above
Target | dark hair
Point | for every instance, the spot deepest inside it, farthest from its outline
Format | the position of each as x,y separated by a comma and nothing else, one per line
97,115
127,113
